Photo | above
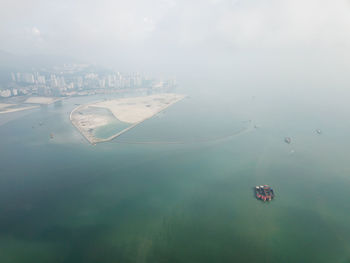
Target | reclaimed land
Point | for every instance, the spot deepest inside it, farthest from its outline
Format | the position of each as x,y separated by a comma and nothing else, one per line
133,111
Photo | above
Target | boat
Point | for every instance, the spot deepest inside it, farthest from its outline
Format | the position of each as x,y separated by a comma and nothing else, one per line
318,131
287,140
264,193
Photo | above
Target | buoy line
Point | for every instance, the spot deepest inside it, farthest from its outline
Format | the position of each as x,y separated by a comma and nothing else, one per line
240,132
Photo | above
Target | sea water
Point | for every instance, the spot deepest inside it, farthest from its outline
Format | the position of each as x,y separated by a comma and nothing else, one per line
145,198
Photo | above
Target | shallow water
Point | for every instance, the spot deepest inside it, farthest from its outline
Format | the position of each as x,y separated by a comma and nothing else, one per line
64,200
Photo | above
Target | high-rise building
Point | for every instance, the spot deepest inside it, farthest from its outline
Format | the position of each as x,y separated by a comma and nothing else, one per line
13,76
53,81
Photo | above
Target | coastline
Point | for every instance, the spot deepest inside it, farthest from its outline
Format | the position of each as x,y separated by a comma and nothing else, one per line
28,104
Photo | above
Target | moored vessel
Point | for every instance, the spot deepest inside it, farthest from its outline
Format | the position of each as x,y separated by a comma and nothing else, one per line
264,193
287,140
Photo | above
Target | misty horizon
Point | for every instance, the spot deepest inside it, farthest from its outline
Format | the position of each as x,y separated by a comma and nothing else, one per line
170,35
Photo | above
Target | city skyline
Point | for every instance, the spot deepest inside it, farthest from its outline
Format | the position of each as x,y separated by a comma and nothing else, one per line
78,79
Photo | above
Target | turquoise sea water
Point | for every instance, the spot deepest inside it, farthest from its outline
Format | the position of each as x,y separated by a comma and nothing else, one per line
64,200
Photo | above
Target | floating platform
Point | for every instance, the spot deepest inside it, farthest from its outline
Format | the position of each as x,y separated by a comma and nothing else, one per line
264,193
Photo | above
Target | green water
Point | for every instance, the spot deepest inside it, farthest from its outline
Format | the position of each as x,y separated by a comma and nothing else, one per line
110,129
63,200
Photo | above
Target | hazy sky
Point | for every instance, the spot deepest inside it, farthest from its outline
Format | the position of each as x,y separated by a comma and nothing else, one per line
171,32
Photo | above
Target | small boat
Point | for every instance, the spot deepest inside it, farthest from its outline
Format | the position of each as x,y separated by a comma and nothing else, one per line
287,140
51,135
264,193
318,131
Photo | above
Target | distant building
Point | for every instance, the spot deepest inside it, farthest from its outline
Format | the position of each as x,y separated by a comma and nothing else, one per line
41,79
28,78
102,83
5,93
13,76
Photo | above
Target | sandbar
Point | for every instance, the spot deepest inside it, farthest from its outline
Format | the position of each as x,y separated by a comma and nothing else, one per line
41,100
7,108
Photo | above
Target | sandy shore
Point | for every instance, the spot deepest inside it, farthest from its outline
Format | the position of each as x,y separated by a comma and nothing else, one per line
41,100
7,108
128,110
